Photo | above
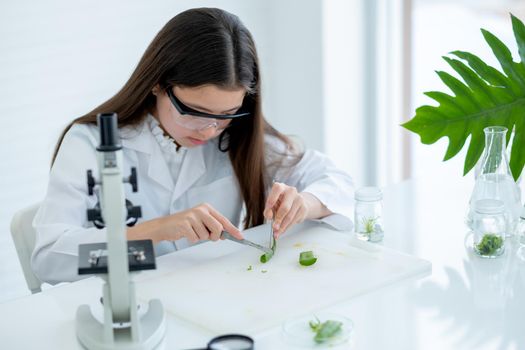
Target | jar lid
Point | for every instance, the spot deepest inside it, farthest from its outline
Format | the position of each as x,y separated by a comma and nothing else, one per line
369,194
489,206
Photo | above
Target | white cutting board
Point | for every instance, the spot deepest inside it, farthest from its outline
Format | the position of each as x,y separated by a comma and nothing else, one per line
220,294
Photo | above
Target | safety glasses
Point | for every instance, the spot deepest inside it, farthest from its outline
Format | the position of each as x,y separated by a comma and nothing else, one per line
196,120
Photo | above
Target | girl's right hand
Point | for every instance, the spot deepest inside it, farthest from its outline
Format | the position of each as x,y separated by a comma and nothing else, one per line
199,223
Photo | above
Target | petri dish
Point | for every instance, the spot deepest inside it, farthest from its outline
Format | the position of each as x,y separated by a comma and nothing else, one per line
297,331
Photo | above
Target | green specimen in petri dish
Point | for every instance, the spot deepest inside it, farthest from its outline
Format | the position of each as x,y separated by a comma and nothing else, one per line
325,331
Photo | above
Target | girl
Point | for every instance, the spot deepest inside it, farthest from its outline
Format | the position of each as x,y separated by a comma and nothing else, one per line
191,122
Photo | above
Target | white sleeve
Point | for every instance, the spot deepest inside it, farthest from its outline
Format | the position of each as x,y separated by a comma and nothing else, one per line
316,174
61,221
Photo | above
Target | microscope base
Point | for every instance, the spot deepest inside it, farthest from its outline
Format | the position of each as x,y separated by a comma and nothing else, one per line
144,333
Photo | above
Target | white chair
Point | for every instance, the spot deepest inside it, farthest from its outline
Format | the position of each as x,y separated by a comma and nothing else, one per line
24,237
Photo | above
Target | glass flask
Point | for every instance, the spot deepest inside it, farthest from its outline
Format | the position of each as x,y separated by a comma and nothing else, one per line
489,228
495,180
368,214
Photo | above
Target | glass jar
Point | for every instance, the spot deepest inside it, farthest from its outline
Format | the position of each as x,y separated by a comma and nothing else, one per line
490,226
368,214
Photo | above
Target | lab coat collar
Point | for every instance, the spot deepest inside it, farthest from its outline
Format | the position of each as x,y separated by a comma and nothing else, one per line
193,167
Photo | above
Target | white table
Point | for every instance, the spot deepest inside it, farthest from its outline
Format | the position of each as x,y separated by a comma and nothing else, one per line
467,303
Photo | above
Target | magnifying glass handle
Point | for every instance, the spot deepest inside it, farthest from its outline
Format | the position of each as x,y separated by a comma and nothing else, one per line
229,342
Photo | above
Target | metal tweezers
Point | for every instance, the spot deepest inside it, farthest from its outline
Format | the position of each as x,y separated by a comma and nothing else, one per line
226,235
272,238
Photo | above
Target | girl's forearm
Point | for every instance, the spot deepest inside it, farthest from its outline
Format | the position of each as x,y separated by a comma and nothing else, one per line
316,209
151,229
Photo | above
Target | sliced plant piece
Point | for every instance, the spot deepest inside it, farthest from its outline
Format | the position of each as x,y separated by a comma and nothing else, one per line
307,258
267,256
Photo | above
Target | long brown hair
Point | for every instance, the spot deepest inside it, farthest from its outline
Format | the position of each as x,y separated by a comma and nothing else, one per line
197,47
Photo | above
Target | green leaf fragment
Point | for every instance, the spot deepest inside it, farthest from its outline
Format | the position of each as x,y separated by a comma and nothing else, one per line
307,258
249,268
325,331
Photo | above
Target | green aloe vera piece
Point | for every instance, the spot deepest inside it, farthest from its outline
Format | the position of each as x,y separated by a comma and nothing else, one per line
307,258
267,256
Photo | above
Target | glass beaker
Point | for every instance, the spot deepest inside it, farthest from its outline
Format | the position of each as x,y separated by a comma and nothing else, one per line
489,228
368,214
495,180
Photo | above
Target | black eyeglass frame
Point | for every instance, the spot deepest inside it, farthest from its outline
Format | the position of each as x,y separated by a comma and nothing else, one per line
185,110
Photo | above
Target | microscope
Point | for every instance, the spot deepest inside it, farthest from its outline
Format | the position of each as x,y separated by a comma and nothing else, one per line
123,327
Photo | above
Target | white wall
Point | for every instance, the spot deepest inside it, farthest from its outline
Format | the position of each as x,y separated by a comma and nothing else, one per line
293,72
343,88
61,58
363,80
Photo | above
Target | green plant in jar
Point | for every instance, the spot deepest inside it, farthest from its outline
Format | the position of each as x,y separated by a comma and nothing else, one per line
489,244
369,226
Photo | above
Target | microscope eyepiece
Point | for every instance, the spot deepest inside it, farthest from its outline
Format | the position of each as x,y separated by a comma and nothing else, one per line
109,137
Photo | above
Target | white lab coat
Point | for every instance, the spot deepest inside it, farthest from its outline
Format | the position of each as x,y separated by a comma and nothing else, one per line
206,176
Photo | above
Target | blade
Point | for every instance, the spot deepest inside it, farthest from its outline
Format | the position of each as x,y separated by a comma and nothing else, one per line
226,235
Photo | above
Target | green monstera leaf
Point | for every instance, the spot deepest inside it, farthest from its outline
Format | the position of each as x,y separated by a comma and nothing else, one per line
484,97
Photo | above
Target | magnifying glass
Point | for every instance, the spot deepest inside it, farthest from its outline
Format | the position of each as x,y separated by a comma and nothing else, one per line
230,342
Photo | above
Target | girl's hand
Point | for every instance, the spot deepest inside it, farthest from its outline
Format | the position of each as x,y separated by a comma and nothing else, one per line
199,223
289,206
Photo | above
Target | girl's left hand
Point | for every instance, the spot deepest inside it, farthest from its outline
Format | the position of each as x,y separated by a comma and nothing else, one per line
289,206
